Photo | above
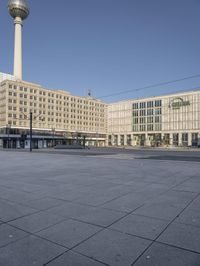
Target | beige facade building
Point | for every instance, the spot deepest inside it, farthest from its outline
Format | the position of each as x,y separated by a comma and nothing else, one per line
62,118
55,113
165,120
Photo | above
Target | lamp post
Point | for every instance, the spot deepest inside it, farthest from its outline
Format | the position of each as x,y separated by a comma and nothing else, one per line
31,130
31,118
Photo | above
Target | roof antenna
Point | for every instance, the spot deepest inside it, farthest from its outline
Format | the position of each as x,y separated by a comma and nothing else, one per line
89,93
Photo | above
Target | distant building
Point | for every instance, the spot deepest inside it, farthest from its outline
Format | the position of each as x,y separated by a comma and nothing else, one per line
4,76
62,118
165,120
58,116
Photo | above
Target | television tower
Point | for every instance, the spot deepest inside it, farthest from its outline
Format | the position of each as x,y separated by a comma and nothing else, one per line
19,10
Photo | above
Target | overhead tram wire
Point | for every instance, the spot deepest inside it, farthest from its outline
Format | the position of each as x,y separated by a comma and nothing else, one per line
131,109
150,86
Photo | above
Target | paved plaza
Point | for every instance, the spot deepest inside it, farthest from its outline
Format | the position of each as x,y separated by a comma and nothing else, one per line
91,208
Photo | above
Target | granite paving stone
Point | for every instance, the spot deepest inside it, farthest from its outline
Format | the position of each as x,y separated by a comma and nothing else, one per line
69,233
71,210
17,196
116,210
36,222
74,259
101,217
140,226
190,185
10,210
44,203
189,216
28,251
113,248
183,236
159,210
67,195
195,204
177,198
127,203
95,199
163,255
10,234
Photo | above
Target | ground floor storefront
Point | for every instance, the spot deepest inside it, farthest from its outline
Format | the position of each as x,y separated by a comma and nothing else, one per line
182,139
16,139
38,143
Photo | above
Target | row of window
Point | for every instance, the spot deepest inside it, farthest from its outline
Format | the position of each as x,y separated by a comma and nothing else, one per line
149,120
81,127
57,120
53,95
52,101
62,112
150,127
157,111
14,115
150,104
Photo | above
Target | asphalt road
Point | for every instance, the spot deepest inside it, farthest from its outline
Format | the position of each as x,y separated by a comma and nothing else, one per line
177,154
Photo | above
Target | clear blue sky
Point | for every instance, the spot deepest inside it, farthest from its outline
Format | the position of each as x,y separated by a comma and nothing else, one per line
107,45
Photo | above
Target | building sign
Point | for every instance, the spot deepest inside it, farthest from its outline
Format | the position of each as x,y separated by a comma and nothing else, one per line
177,103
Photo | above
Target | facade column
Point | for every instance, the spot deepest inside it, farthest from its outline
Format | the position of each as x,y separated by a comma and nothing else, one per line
106,141
125,140
118,140
189,139
147,142
180,142
18,48
133,141
198,140
170,139
162,138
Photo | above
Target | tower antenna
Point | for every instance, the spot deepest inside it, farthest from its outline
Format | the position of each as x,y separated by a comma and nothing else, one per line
19,10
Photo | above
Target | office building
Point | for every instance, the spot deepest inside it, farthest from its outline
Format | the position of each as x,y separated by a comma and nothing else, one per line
170,120
58,116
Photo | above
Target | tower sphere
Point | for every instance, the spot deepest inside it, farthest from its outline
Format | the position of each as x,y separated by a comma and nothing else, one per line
18,8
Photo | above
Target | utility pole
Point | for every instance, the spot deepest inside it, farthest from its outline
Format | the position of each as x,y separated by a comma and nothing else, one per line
31,130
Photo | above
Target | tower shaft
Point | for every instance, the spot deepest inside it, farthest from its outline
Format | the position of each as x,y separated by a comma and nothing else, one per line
18,48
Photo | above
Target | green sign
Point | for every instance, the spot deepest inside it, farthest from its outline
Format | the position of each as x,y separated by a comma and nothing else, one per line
177,103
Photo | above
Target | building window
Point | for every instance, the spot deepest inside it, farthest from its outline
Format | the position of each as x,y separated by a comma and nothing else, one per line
150,120
135,120
142,128
142,105
150,104
150,112
135,106
157,119
158,111
135,113
158,103
142,112
150,127
135,128
142,120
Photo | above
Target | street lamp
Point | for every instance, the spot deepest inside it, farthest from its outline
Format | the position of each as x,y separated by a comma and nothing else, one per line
31,130
30,118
